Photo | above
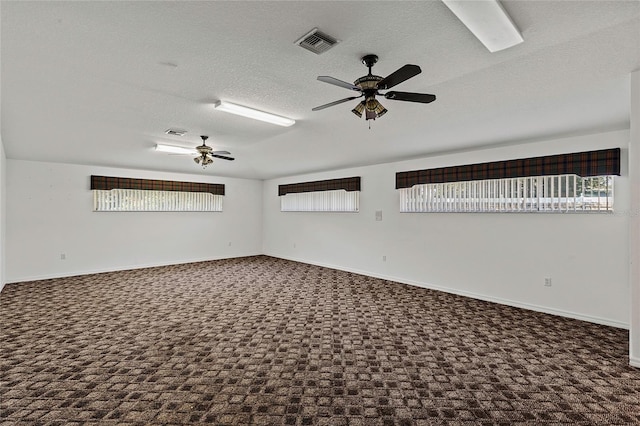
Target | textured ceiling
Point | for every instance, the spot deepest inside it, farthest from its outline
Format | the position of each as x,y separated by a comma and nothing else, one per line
99,82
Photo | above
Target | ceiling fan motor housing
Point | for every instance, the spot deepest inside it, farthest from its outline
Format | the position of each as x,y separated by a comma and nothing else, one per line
369,86
368,82
204,149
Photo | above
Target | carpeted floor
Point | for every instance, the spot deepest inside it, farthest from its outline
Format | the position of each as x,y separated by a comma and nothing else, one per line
260,340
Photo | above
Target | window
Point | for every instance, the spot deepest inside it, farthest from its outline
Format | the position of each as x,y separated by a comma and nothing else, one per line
562,193
574,182
137,200
117,194
333,195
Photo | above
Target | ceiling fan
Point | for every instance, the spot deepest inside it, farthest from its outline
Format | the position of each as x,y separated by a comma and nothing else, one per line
369,87
206,153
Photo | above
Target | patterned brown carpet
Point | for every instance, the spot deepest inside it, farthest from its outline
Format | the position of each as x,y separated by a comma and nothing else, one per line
260,340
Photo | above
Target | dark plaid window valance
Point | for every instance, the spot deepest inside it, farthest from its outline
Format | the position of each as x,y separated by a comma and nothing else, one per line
591,163
348,184
111,182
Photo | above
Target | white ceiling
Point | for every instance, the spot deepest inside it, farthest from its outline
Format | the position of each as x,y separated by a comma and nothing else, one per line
99,82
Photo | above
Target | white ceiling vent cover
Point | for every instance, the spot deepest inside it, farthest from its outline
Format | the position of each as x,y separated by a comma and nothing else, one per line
317,42
175,132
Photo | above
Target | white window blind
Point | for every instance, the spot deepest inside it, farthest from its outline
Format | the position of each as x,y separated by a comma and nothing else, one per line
321,201
561,193
136,200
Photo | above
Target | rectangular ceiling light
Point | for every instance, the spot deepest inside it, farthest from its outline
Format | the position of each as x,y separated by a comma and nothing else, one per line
254,113
172,149
488,21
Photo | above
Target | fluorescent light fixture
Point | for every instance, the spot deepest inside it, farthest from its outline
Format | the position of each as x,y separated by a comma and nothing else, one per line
488,21
172,149
254,113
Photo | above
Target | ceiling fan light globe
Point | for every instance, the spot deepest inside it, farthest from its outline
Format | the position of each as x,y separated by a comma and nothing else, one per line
371,104
380,110
358,109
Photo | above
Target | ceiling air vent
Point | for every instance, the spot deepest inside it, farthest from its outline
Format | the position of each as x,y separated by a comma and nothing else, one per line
316,41
175,132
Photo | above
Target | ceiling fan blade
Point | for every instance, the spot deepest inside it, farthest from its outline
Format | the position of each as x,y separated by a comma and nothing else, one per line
223,157
221,152
400,75
336,82
318,108
411,97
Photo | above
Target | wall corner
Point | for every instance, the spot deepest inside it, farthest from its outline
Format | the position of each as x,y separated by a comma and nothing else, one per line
634,219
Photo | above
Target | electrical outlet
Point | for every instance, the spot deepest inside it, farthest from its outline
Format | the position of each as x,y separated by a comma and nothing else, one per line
384,258
547,282
378,215
229,243
63,256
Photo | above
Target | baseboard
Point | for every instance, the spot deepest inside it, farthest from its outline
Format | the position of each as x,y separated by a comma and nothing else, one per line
121,268
634,362
513,303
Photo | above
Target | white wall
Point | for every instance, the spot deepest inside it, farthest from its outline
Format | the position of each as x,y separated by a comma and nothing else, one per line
3,212
634,218
499,257
49,212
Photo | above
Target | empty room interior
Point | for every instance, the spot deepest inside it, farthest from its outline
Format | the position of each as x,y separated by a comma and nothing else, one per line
320,213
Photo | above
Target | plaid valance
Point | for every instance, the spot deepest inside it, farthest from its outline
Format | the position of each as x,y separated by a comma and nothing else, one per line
348,184
590,163
111,182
